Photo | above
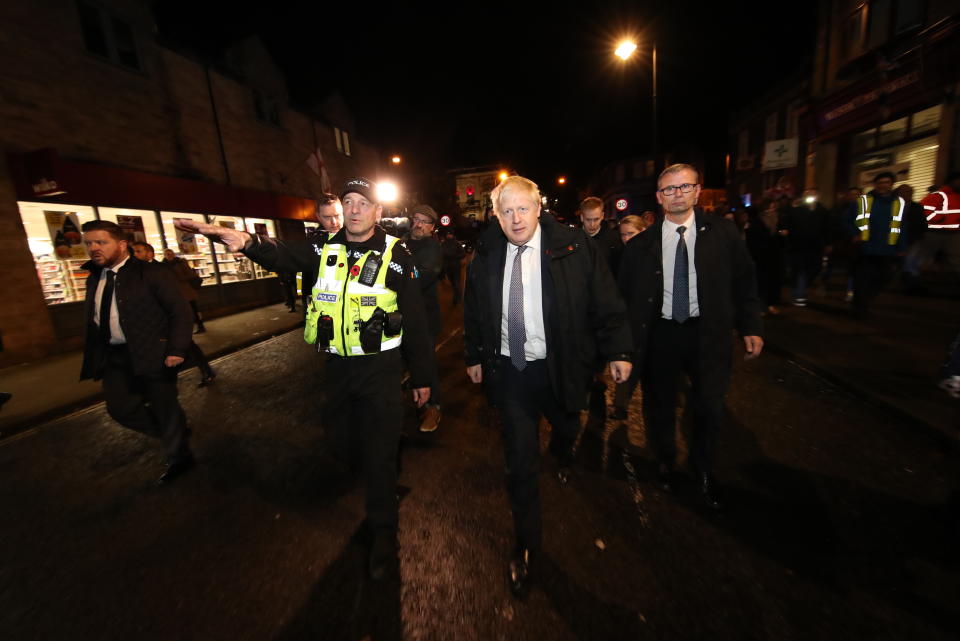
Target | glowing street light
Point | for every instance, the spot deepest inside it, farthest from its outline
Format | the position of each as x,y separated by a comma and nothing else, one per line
562,180
503,176
625,49
396,160
387,192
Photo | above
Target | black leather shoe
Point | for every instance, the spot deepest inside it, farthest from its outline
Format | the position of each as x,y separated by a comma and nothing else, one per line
708,491
381,553
665,477
618,414
4,397
176,469
206,378
519,573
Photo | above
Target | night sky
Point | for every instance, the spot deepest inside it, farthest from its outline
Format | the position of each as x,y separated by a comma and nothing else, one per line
535,88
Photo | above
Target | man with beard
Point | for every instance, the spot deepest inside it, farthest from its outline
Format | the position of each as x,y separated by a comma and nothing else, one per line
428,259
136,340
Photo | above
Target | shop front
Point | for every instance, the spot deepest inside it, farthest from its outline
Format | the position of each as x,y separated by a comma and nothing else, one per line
146,206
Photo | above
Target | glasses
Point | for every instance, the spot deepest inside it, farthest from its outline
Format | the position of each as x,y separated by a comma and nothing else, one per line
685,188
422,221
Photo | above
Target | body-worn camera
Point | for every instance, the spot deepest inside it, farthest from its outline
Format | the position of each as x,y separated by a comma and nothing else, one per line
324,332
378,325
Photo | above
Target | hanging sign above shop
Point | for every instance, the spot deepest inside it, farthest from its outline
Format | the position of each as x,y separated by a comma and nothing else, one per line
780,154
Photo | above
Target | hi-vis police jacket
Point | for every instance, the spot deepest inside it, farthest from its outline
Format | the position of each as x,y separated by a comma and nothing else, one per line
396,282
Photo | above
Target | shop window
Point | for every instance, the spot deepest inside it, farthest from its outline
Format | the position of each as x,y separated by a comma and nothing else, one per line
346,143
339,136
233,266
865,140
921,158
140,225
193,248
56,242
893,132
770,129
262,227
925,121
108,36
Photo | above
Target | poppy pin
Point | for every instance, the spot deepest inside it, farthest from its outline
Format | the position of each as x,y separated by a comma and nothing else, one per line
340,265
355,270
569,248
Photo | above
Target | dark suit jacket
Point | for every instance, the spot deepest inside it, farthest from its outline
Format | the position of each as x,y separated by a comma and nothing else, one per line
154,316
582,310
726,288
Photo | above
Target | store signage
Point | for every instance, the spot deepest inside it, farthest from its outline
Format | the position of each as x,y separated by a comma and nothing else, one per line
47,187
622,204
444,220
871,96
780,154
186,240
745,163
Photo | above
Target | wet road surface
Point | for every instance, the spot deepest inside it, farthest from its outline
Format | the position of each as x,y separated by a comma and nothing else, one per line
838,524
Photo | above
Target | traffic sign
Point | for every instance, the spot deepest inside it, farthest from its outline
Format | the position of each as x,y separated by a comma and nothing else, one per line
444,220
622,204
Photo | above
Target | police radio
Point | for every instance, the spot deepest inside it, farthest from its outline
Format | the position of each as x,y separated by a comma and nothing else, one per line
371,267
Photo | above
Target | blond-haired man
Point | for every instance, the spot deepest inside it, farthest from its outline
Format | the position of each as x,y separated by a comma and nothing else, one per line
540,303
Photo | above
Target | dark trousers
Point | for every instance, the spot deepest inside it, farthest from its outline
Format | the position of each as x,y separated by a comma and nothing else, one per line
197,318
804,267
195,356
452,273
870,275
362,416
674,350
523,396
624,391
289,293
435,394
147,403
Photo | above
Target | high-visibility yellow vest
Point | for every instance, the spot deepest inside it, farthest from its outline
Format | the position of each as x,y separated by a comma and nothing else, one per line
339,294
865,206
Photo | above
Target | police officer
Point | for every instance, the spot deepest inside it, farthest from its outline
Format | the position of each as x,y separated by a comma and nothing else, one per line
365,308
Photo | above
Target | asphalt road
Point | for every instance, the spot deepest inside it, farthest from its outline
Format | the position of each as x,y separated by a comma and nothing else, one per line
838,526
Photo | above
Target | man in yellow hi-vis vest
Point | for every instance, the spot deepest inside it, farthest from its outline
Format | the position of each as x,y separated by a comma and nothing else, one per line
365,308
874,223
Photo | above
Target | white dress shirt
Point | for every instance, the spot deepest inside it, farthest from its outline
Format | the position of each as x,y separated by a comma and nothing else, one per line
535,347
116,333
669,240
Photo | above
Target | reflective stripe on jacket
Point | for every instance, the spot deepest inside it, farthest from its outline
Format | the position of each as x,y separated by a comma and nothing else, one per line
864,208
339,294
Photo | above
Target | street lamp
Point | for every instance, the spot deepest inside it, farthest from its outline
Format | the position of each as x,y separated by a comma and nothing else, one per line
625,49
395,160
502,176
562,180
387,192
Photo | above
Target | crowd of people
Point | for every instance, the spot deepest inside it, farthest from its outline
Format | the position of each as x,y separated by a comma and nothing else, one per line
548,310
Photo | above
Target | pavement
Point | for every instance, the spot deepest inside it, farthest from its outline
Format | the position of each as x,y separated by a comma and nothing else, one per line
890,360
48,388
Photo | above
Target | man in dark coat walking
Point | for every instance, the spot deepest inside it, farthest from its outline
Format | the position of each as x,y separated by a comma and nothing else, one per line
138,332
688,282
540,304
427,257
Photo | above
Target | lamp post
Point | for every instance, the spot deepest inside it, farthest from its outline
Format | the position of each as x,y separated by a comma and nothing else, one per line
624,51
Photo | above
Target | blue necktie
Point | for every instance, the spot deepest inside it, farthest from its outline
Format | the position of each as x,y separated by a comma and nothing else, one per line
516,330
681,280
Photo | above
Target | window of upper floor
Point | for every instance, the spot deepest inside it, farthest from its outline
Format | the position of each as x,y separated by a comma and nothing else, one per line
343,140
266,108
108,36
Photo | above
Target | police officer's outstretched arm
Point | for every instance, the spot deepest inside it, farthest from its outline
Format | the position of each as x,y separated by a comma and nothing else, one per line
417,345
273,254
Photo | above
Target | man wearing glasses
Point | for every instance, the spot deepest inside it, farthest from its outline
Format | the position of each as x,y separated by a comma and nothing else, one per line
428,258
688,282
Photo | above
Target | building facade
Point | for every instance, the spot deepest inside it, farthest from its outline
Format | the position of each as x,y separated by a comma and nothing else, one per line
105,121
